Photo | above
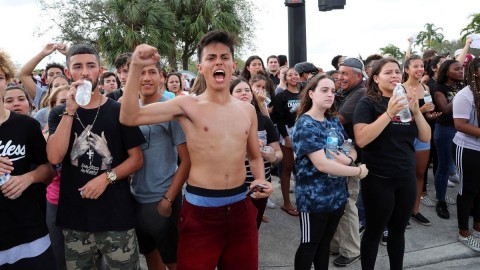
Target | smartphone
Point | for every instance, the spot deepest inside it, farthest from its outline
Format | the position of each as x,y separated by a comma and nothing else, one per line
257,187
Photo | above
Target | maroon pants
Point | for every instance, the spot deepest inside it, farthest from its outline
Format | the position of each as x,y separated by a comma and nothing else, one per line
225,237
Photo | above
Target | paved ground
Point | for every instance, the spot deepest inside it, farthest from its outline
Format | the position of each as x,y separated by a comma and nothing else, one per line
427,247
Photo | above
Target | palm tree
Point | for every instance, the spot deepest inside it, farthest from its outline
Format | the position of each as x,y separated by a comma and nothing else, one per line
430,36
197,17
132,23
473,27
392,50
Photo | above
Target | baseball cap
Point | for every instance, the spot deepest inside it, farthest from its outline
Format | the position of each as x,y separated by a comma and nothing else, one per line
355,63
305,67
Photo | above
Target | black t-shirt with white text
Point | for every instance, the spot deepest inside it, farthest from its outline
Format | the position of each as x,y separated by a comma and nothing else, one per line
391,154
22,220
87,157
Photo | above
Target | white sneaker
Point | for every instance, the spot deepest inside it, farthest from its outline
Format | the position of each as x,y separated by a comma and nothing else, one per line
454,178
450,184
270,204
470,242
427,201
475,233
450,201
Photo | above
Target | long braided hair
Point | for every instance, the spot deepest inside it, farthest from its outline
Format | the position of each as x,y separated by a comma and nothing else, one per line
472,79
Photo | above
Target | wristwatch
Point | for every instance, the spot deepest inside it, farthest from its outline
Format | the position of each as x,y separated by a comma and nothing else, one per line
111,176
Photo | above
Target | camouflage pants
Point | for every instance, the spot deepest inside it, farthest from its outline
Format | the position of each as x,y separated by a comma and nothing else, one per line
118,247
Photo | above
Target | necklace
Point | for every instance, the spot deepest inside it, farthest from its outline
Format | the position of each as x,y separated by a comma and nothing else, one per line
94,120
90,152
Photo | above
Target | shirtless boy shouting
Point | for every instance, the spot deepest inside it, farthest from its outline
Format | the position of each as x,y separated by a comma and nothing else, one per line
217,224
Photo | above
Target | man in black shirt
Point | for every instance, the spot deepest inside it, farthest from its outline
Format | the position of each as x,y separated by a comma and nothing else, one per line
347,238
97,153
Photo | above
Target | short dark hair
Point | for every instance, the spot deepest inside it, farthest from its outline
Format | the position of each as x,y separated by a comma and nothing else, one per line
282,59
371,58
83,48
106,75
272,56
215,37
335,61
54,65
121,60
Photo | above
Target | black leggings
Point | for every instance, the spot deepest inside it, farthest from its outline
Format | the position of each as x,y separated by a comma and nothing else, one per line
469,192
388,203
317,232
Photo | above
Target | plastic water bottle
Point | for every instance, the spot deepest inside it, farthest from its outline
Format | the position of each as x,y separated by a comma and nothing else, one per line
347,146
405,115
427,97
332,145
4,178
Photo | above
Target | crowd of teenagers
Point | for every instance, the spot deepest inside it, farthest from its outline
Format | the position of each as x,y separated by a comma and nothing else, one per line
180,171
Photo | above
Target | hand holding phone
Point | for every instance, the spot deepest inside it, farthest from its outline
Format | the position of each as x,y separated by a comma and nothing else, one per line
257,187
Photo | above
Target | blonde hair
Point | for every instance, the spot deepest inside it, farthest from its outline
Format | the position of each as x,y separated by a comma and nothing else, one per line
7,66
52,99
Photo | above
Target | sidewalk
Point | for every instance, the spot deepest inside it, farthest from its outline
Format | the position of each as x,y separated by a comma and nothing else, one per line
426,247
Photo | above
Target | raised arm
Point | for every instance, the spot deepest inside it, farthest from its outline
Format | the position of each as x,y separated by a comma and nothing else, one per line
131,114
461,57
27,69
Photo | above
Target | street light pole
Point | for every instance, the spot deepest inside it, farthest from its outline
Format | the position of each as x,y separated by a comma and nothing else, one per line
297,35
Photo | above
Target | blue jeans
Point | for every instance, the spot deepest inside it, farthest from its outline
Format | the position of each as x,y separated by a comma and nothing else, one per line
443,137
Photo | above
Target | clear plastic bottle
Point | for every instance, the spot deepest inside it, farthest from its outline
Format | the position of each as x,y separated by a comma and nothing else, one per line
4,178
347,146
405,115
427,97
332,145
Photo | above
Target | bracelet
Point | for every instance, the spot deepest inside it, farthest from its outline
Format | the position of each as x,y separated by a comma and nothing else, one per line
66,113
360,173
351,160
170,201
388,115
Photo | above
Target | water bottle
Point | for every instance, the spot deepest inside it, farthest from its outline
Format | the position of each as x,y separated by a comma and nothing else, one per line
347,146
332,145
427,97
405,115
4,178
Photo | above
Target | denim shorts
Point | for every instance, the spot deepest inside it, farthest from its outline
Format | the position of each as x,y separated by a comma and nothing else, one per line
420,146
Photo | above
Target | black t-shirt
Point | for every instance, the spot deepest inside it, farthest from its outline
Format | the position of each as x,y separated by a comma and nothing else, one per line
267,132
347,108
445,119
391,154
22,220
116,95
285,110
114,209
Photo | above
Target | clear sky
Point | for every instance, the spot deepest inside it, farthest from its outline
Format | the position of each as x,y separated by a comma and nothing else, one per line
361,28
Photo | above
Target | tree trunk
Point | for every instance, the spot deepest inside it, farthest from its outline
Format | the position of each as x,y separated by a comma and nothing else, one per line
172,59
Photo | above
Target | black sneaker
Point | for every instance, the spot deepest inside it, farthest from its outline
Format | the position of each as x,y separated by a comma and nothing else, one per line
442,210
384,239
419,218
344,261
